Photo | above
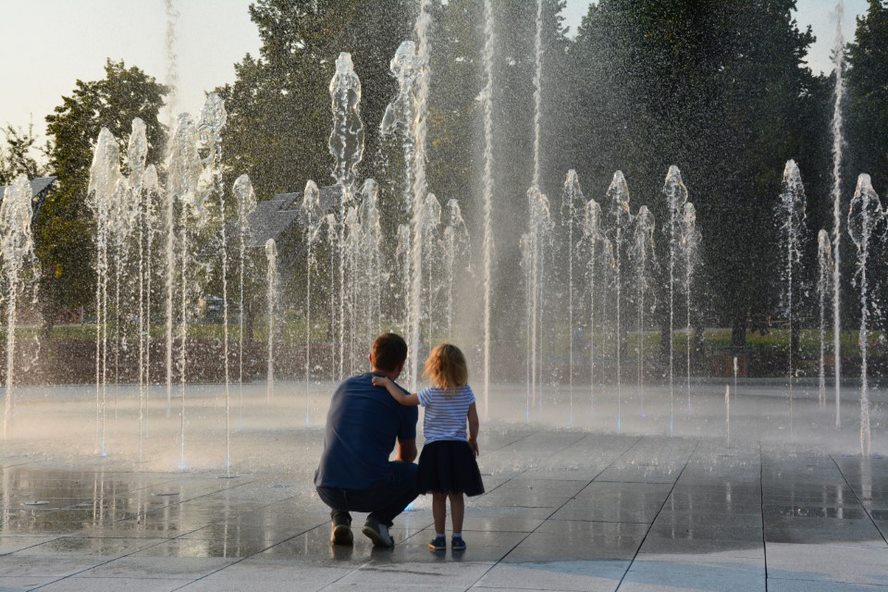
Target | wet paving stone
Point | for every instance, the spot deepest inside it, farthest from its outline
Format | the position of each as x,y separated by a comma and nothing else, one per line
564,511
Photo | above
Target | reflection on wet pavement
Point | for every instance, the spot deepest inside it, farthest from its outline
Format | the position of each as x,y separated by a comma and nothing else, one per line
564,510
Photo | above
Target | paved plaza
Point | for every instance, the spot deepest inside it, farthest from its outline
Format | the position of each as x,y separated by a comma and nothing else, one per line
564,510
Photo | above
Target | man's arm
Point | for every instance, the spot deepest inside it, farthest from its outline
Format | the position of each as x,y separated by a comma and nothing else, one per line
405,450
397,393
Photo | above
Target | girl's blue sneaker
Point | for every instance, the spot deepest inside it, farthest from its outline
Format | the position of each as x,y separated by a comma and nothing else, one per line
438,543
457,544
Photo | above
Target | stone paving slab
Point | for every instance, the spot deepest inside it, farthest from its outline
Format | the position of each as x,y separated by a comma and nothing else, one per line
564,511
779,585
106,584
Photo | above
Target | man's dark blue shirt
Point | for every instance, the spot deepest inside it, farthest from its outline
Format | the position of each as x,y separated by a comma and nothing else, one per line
362,425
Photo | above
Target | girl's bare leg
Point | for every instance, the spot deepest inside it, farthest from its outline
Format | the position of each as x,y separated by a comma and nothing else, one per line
439,511
457,511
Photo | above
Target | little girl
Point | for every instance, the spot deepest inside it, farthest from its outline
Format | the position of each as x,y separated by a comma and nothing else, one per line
447,465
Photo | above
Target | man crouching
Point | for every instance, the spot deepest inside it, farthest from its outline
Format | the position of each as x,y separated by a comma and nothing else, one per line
363,425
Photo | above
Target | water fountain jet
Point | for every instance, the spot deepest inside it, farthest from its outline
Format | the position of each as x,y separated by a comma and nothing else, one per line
572,202
17,250
105,183
487,196
824,269
837,154
311,211
676,196
246,205
690,246
137,152
790,214
643,254
271,278
620,220
456,249
864,216
346,145
592,236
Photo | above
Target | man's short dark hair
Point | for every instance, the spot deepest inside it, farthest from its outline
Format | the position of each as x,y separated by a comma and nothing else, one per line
388,352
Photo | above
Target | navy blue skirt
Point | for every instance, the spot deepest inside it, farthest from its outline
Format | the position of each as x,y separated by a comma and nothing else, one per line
449,466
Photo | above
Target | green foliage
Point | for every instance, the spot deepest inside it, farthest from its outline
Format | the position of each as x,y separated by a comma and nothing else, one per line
64,229
279,107
719,89
18,156
868,96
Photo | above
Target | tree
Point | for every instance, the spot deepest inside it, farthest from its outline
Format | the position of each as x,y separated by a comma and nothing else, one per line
868,96
18,159
866,143
279,105
64,229
719,89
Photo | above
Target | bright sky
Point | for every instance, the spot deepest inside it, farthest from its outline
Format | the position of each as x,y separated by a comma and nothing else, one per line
48,44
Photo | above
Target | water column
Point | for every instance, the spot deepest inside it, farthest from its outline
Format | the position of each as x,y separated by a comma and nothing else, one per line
456,250
537,91
431,221
864,215
837,147
728,414
172,83
169,208
332,236
115,214
212,121
422,30
572,201
346,145
538,213
184,167
105,181
676,195
399,118
591,238
137,152
313,216
621,218
371,265
246,204
790,213
271,279
487,195
736,367
150,222
402,256
526,251
690,248
533,250
352,244
17,250
642,253
124,216
172,73
824,269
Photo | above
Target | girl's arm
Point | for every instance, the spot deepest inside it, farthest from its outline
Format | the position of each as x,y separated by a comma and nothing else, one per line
396,393
473,428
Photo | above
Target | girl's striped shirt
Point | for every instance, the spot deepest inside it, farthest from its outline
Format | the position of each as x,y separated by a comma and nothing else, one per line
445,412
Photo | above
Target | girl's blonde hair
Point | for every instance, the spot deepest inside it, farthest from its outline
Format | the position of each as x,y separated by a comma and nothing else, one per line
446,367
